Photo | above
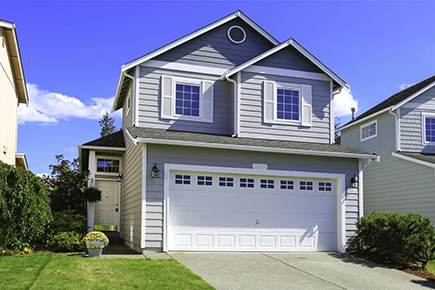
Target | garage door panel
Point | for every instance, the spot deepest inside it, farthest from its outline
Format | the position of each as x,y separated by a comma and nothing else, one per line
236,218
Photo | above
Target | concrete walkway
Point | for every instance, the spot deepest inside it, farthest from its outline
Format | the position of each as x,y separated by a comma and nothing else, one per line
296,271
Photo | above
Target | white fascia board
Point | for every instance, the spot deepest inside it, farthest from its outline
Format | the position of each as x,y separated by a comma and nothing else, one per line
413,96
363,119
254,148
101,148
198,33
424,163
7,24
184,67
118,91
287,72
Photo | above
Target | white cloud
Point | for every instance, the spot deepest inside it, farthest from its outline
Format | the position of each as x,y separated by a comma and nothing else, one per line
42,175
404,86
343,102
49,107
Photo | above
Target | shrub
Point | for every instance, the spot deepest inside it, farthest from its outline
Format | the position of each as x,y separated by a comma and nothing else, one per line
24,207
400,239
68,221
68,242
92,194
96,239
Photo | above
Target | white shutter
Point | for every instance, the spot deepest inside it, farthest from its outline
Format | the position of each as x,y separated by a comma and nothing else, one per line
269,95
207,101
167,97
306,106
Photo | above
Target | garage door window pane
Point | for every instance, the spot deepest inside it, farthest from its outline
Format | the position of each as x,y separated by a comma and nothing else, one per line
205,180
226,181
325,186
267,183
306,185
247,182
287,184
182,179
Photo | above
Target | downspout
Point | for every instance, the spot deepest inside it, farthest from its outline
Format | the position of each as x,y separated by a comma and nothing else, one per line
360,184
236,105
134,95
396,118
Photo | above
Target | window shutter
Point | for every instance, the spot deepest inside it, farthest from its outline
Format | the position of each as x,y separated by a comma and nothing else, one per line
207,101
167,97
306,106
269,93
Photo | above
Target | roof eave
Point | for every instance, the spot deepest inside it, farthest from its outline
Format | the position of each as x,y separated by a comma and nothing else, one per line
414,160
413,96
347,126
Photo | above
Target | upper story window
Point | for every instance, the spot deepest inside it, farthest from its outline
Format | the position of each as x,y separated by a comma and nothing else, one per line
186,99
287,104
369,130
108,165
428,128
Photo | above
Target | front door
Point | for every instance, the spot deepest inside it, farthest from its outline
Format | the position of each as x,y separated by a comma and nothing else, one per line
106,210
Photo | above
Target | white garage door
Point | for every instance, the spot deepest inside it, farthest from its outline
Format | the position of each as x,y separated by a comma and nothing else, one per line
229,212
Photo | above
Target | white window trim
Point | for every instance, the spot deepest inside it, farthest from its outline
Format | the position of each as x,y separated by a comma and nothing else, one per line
235,41
107,158
365,125
293,87
425,115
188,81
341,192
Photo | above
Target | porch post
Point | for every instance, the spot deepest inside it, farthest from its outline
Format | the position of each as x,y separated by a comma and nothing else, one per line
91,182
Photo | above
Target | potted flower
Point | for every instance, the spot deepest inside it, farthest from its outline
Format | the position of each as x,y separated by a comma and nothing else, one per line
95,242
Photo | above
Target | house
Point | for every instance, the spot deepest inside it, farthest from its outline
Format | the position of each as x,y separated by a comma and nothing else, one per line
227,145
13,92
401,130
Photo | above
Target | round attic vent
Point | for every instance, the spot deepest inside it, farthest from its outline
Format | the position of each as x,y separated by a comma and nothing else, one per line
236,34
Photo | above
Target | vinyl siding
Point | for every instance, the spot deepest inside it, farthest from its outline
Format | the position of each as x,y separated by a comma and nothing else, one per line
214,49
289,58
393,185
127,114
411,123
251,111
162,154
149,103
131,192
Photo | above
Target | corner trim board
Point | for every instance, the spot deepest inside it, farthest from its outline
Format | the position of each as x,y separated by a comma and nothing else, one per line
144,196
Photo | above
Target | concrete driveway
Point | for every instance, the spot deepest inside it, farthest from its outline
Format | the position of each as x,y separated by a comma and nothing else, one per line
296,271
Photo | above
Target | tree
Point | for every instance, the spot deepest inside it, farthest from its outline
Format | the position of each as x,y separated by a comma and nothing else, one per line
337,124
66,185
107,125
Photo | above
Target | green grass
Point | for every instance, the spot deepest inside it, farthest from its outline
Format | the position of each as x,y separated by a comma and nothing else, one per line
431,266
46,270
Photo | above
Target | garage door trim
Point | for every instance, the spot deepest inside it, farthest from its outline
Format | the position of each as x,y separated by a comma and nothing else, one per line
340,179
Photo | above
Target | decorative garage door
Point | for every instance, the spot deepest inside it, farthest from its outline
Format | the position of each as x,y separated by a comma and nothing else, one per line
229,212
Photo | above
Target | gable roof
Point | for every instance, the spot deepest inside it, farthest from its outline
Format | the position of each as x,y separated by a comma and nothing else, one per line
393,102
15,58
293,43
113,140
123,84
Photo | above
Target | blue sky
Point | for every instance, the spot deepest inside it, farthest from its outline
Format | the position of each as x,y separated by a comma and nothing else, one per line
72,53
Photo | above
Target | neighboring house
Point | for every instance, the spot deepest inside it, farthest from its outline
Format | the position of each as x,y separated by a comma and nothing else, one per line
401,130
13,92
227,145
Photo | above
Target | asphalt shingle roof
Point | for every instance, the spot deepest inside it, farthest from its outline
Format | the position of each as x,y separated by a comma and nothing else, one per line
430,158
158,134
395,99
113,140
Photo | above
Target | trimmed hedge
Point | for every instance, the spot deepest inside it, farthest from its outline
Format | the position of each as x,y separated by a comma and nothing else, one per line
399,239
24,207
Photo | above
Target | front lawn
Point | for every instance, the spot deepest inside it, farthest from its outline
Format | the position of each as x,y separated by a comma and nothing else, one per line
46,270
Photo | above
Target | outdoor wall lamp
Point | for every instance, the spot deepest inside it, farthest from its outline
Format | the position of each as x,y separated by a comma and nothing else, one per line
155,171
354,181
119,177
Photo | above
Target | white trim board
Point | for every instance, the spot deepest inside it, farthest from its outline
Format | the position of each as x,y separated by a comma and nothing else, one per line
101,148
144,196
299,48
413,96
286,72
254,148
361,139
199,69
425,115
424,163
362,120
341,192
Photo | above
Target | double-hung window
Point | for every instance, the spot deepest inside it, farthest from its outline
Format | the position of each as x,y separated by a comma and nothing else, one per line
428,128
369,130
187,100
287,104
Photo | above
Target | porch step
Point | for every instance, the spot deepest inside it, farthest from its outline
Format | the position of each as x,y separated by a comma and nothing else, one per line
114,237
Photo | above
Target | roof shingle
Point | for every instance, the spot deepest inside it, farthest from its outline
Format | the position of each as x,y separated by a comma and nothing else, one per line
113,140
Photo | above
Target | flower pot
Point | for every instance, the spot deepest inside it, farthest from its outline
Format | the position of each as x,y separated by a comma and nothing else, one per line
95,252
